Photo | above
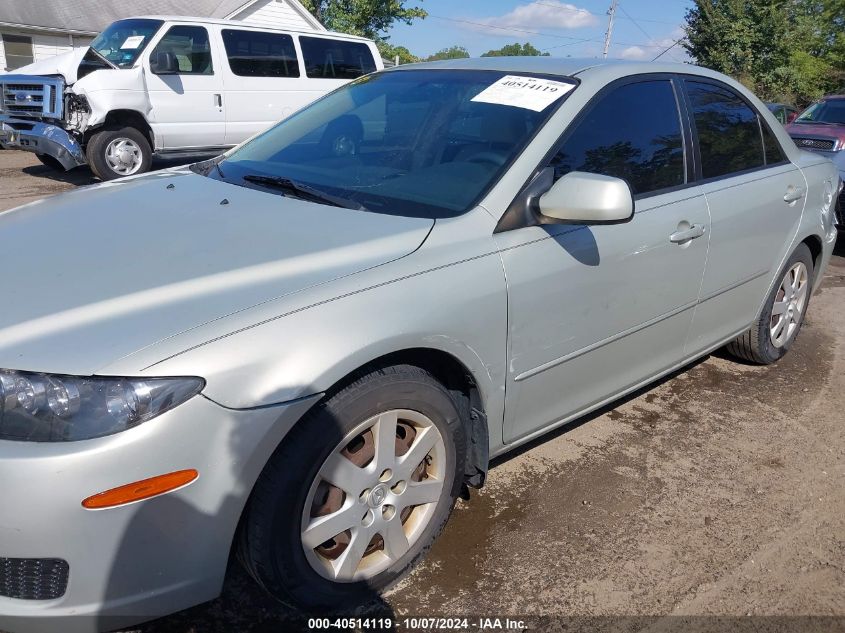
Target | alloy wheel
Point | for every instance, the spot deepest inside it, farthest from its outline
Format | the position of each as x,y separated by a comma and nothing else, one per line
789,306
374,496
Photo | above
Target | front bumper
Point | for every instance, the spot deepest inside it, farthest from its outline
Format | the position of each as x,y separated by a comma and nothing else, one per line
41,138
139,561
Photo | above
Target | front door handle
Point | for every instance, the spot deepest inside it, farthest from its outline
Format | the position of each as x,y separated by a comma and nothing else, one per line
685,235
793,194
218,101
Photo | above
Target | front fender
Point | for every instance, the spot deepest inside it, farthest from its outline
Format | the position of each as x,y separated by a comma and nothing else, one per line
449,296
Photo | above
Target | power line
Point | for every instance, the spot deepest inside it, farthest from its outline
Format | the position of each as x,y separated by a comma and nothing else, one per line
673,45
643,31
598,15
540,33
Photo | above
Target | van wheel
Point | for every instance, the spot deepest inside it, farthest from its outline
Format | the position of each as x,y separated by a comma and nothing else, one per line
357,492
117,152
49,161
786,306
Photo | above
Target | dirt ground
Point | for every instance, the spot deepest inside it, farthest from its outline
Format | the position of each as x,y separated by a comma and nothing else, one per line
719,491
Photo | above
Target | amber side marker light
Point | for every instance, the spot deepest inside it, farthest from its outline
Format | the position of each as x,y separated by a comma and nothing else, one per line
140,490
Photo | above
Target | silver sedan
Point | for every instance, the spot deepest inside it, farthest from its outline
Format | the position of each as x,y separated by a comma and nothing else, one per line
305,349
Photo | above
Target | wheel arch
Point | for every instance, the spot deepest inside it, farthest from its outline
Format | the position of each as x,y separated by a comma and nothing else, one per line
125,117
814,243
460,380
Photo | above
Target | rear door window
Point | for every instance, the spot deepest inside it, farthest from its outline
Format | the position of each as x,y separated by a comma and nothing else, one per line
633,133
255,54
729,136
335,59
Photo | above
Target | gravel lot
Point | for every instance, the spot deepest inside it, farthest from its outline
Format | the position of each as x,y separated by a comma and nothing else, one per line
718,491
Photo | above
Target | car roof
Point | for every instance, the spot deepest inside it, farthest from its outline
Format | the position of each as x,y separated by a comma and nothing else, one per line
563,66
243,25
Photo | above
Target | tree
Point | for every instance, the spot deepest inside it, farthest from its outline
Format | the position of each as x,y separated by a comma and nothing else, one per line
388,51
454,52
516,50
784,51
368,18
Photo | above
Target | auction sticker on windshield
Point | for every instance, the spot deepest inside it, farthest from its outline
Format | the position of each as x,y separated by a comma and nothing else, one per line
524,92
133,41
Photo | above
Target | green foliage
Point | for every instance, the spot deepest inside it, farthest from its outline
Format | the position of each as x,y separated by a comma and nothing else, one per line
516,50
388,51
363,17
454,52
784,50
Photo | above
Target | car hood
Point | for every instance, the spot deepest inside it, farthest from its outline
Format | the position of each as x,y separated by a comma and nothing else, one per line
93,275
816,130
66,65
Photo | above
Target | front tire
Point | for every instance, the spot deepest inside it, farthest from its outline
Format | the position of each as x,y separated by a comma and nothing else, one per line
116,152
775,331
357,492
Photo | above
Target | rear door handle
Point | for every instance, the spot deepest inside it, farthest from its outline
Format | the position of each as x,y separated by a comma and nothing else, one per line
218,101
685,235
793,194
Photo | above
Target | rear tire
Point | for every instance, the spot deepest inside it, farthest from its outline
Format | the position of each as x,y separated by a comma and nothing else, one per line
49,161
115,152
775,331
316,474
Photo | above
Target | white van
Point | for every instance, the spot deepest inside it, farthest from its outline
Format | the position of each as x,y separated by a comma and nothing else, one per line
170,87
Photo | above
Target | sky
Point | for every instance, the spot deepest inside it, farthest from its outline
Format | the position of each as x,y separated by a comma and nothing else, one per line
576,28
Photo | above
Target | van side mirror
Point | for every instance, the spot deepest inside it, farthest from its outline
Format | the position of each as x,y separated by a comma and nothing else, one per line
583,198
164,63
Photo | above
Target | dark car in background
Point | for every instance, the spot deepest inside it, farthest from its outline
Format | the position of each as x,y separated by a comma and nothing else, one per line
821,128
783,113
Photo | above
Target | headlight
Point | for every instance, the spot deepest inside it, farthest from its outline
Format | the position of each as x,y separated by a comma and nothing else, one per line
53,408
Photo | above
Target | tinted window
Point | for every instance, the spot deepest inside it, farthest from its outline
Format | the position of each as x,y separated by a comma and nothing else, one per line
774,154
253,54
18,51
633,133
728,131
189,44
336,59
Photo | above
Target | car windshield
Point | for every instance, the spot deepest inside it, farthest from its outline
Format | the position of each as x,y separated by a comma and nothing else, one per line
830,111
123,41
424,143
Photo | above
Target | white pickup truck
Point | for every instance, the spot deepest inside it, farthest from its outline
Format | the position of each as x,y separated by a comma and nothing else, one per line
170,87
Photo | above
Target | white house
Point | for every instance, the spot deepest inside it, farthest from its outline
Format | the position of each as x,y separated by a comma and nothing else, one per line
31,30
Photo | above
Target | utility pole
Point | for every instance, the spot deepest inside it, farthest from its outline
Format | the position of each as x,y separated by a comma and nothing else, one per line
612,14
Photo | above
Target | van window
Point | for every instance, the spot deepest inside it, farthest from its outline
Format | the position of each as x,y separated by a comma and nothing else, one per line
189,44
336,59
728,130
254,54
633,133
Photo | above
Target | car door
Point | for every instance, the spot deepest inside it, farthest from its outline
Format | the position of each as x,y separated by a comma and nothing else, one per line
262,81
756,197
186,98
596,310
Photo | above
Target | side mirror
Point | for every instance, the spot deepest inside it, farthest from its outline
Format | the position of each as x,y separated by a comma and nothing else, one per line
164,63
583,198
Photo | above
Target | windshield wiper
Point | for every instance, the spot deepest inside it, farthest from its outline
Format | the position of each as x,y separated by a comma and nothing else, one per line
102,57
303,191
